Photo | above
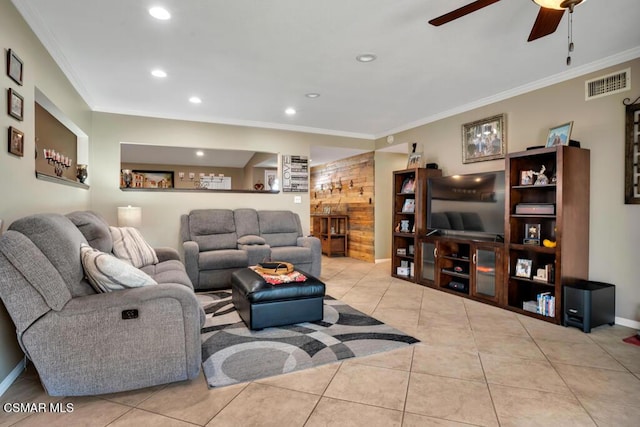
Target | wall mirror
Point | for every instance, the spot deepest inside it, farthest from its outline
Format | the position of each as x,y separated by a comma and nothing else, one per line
155,167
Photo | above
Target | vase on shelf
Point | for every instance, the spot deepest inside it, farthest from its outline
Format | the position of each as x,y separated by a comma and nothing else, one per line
81,173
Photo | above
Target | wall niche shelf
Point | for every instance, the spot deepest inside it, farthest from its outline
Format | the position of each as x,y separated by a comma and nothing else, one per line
61,180
197,190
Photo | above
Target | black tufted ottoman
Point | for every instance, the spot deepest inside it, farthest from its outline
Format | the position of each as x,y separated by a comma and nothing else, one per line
262,305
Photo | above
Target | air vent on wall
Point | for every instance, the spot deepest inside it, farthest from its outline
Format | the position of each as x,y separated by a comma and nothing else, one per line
619,81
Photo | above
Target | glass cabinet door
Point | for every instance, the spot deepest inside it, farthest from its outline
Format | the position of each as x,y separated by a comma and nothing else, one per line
428,261
485,269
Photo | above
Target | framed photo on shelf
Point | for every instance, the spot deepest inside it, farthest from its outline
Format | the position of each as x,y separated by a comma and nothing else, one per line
409,206
15,105
401,251
532,234
14,67
523,268
484,139
559,135
16,142
408,185
526,177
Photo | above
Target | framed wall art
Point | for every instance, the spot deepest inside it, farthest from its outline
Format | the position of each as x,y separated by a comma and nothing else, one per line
271,179
15,105
484,139
14,67
154,179
16,142
295,174
559,135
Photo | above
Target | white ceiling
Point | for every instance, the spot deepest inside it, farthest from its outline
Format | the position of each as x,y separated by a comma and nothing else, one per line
248,60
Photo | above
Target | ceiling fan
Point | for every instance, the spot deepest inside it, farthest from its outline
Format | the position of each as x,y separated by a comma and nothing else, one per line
549,16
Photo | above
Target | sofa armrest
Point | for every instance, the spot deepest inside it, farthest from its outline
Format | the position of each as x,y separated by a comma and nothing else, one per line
118,341
315,245
166,254
191,252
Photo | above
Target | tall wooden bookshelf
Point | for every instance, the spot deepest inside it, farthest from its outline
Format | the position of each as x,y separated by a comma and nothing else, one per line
409,219
559,209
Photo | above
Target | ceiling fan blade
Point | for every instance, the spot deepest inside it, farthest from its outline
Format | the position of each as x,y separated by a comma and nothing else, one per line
459,13
546,23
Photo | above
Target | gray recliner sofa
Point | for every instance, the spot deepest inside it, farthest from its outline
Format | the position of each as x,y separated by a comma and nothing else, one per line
218,242
80,342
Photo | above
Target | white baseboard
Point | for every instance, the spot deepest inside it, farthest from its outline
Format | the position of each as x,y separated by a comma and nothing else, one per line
13,375
382,260
628,323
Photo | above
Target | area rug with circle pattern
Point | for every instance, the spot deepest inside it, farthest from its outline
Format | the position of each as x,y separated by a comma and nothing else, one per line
232,353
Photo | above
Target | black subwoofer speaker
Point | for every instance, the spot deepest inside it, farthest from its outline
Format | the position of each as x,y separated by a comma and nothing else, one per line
588,304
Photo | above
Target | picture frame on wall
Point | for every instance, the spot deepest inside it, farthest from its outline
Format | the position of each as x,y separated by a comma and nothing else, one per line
15,67
484,139
559,135
15,105
16,142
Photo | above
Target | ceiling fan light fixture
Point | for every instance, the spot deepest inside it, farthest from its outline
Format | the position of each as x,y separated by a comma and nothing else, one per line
558,4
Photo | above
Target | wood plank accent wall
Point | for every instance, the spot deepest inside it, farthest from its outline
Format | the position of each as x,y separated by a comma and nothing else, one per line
356,175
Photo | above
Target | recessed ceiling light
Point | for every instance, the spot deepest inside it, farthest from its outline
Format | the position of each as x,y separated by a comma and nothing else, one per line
290,111
312,95
158,73
366,57
199,153
195,100
160,13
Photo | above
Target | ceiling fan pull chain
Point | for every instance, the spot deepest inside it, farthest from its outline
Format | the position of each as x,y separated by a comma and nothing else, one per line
570,36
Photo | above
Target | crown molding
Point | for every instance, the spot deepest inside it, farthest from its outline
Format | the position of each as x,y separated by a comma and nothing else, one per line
51,45
609,61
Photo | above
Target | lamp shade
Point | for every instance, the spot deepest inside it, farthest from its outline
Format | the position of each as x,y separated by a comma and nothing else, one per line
129,216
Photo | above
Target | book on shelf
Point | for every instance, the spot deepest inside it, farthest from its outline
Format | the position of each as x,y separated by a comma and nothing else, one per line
546,304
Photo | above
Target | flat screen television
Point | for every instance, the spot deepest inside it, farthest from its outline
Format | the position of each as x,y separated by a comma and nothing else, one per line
467,205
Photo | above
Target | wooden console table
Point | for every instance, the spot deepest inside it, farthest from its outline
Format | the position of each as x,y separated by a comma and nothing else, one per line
332,230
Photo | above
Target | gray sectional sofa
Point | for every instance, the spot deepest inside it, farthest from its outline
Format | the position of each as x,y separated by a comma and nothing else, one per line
84,343
218,242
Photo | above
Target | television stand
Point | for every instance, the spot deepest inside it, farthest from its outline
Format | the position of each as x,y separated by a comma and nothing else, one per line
467,266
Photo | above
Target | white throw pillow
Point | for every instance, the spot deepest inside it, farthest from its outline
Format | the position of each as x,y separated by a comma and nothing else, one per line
107,273
130,246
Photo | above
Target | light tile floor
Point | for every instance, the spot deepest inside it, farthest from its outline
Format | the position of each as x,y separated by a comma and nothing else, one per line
476,365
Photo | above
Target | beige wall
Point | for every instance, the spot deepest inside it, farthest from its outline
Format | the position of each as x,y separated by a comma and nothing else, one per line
161,212
599,126
21,193
384,165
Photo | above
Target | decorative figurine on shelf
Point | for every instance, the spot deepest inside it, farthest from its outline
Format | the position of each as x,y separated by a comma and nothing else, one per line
127,177
81,173
541,177
259,186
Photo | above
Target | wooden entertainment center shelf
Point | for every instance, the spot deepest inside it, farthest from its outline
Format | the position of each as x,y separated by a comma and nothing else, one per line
546,238
409,219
